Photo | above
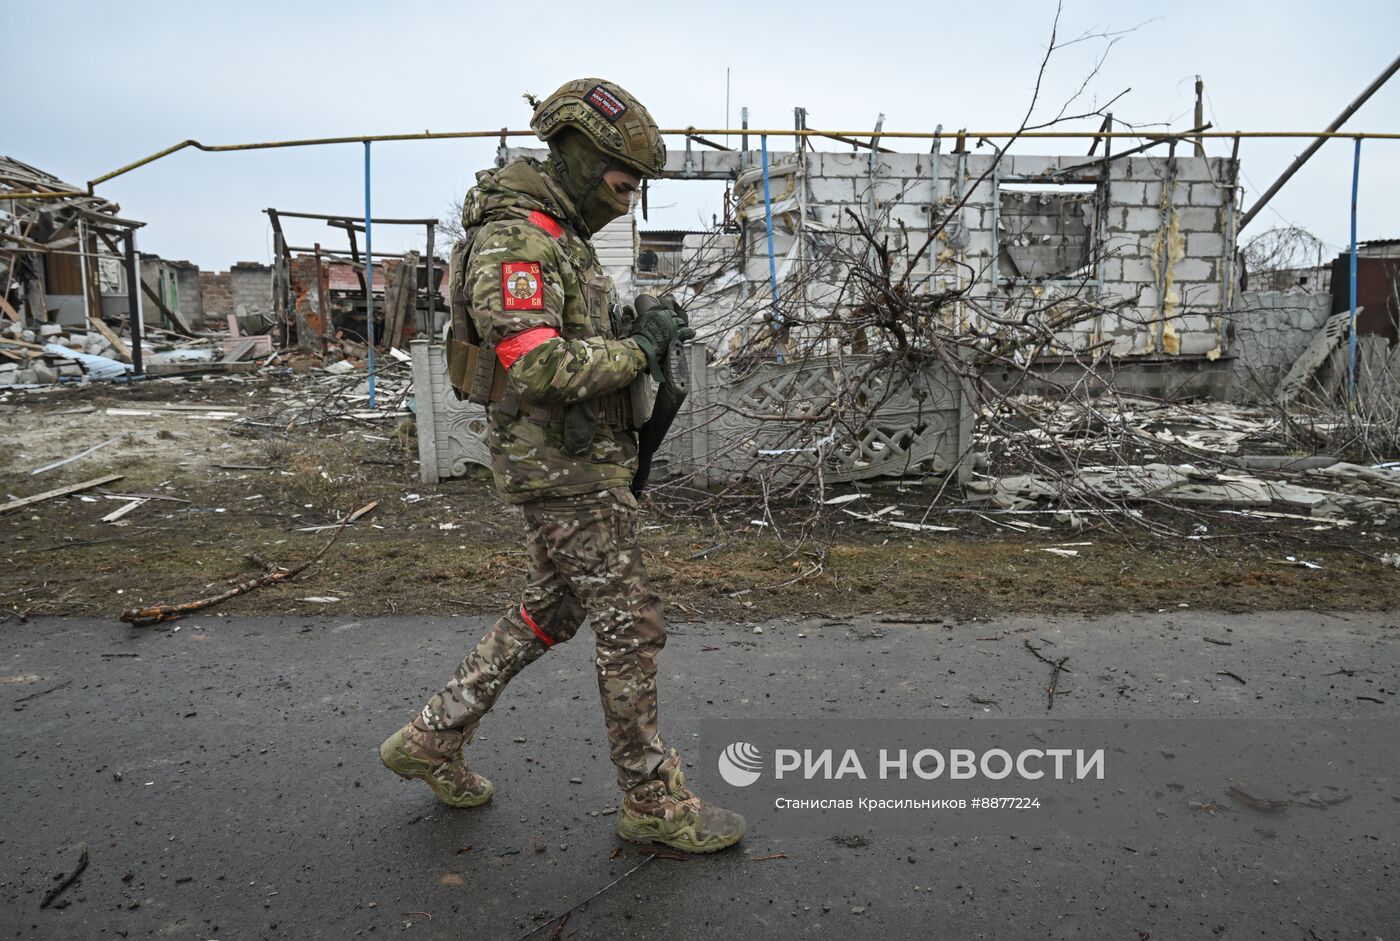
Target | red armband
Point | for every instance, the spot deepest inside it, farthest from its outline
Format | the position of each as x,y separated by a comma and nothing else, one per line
518,344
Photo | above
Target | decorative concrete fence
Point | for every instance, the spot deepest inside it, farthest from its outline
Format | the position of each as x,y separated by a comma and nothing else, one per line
774,420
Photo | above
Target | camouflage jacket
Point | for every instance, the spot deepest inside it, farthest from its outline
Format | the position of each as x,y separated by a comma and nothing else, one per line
527,271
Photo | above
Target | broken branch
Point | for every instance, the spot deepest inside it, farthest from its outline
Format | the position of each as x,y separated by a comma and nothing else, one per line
157,614
56,891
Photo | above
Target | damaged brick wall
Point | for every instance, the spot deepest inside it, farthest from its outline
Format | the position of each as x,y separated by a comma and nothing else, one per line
1032,228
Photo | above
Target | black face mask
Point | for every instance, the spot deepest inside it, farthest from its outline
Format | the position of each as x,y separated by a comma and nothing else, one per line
580,166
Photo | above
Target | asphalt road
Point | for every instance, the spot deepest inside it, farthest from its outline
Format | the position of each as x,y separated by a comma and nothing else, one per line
225,780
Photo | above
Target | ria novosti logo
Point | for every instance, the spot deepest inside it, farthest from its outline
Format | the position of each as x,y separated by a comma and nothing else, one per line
740,764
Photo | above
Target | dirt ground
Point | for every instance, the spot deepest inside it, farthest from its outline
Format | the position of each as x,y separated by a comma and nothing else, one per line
455,547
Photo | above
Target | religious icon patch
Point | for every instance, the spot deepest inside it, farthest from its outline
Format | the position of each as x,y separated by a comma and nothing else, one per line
522,286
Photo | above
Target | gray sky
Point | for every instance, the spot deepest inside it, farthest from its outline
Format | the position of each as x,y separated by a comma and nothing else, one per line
94,86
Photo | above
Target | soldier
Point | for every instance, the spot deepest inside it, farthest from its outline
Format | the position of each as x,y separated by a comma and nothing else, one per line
538,339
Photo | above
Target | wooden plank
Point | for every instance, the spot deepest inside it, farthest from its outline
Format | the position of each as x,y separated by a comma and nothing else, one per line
244,347
111,337
9,311
121,511
173,317
59,492
155,370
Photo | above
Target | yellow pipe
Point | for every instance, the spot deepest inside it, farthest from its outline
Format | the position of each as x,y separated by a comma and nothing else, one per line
974,135
785,132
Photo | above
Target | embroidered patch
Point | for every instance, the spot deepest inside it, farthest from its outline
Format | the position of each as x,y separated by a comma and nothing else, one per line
522,286
605,103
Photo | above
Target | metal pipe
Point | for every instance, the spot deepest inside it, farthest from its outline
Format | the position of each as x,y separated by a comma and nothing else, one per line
1355,187
897,135
341,252
325,218
1200,115
1312,148
369,281
772,260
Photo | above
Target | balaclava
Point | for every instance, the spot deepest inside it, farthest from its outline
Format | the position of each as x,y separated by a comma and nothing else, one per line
579,164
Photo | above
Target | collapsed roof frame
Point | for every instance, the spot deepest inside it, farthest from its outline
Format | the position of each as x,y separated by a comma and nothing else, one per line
69,222
315,323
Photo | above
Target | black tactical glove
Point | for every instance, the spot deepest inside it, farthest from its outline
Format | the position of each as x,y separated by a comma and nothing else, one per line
656,328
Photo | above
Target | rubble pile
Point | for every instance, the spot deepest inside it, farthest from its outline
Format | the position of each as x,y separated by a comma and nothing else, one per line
1087,457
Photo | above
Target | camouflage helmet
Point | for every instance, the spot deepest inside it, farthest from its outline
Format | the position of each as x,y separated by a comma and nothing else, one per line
615,121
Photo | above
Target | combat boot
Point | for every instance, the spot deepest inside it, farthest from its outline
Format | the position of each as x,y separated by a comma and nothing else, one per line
436,757
664,810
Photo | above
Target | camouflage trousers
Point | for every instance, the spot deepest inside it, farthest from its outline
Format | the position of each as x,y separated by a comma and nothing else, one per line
584,560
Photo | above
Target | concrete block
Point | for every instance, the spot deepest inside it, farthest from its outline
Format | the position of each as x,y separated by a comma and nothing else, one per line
1144,341
1139,270
50,330
839,164
1193,323
1193,269
42,372
897,165
902,190
1147,169
1208,194
26,377
1121,244
1205,244
1196,170
28,336
977,164
1113,269
70,370
1198,344
974,218
828,189
914,217
1201,296
1029,165
1196,219
1127,193
1142,219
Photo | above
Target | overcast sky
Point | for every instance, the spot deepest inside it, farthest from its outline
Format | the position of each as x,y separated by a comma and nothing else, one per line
91,87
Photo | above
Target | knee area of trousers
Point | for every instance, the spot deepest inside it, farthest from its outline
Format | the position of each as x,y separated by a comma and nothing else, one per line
629,648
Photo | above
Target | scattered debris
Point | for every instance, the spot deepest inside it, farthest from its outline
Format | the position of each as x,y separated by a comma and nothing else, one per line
1057,667
69,460
72,877
43,692
565,914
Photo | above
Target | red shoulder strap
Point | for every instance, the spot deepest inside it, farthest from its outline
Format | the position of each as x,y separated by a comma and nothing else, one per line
547,223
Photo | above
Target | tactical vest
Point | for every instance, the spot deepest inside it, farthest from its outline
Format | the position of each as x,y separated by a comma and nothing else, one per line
477,376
